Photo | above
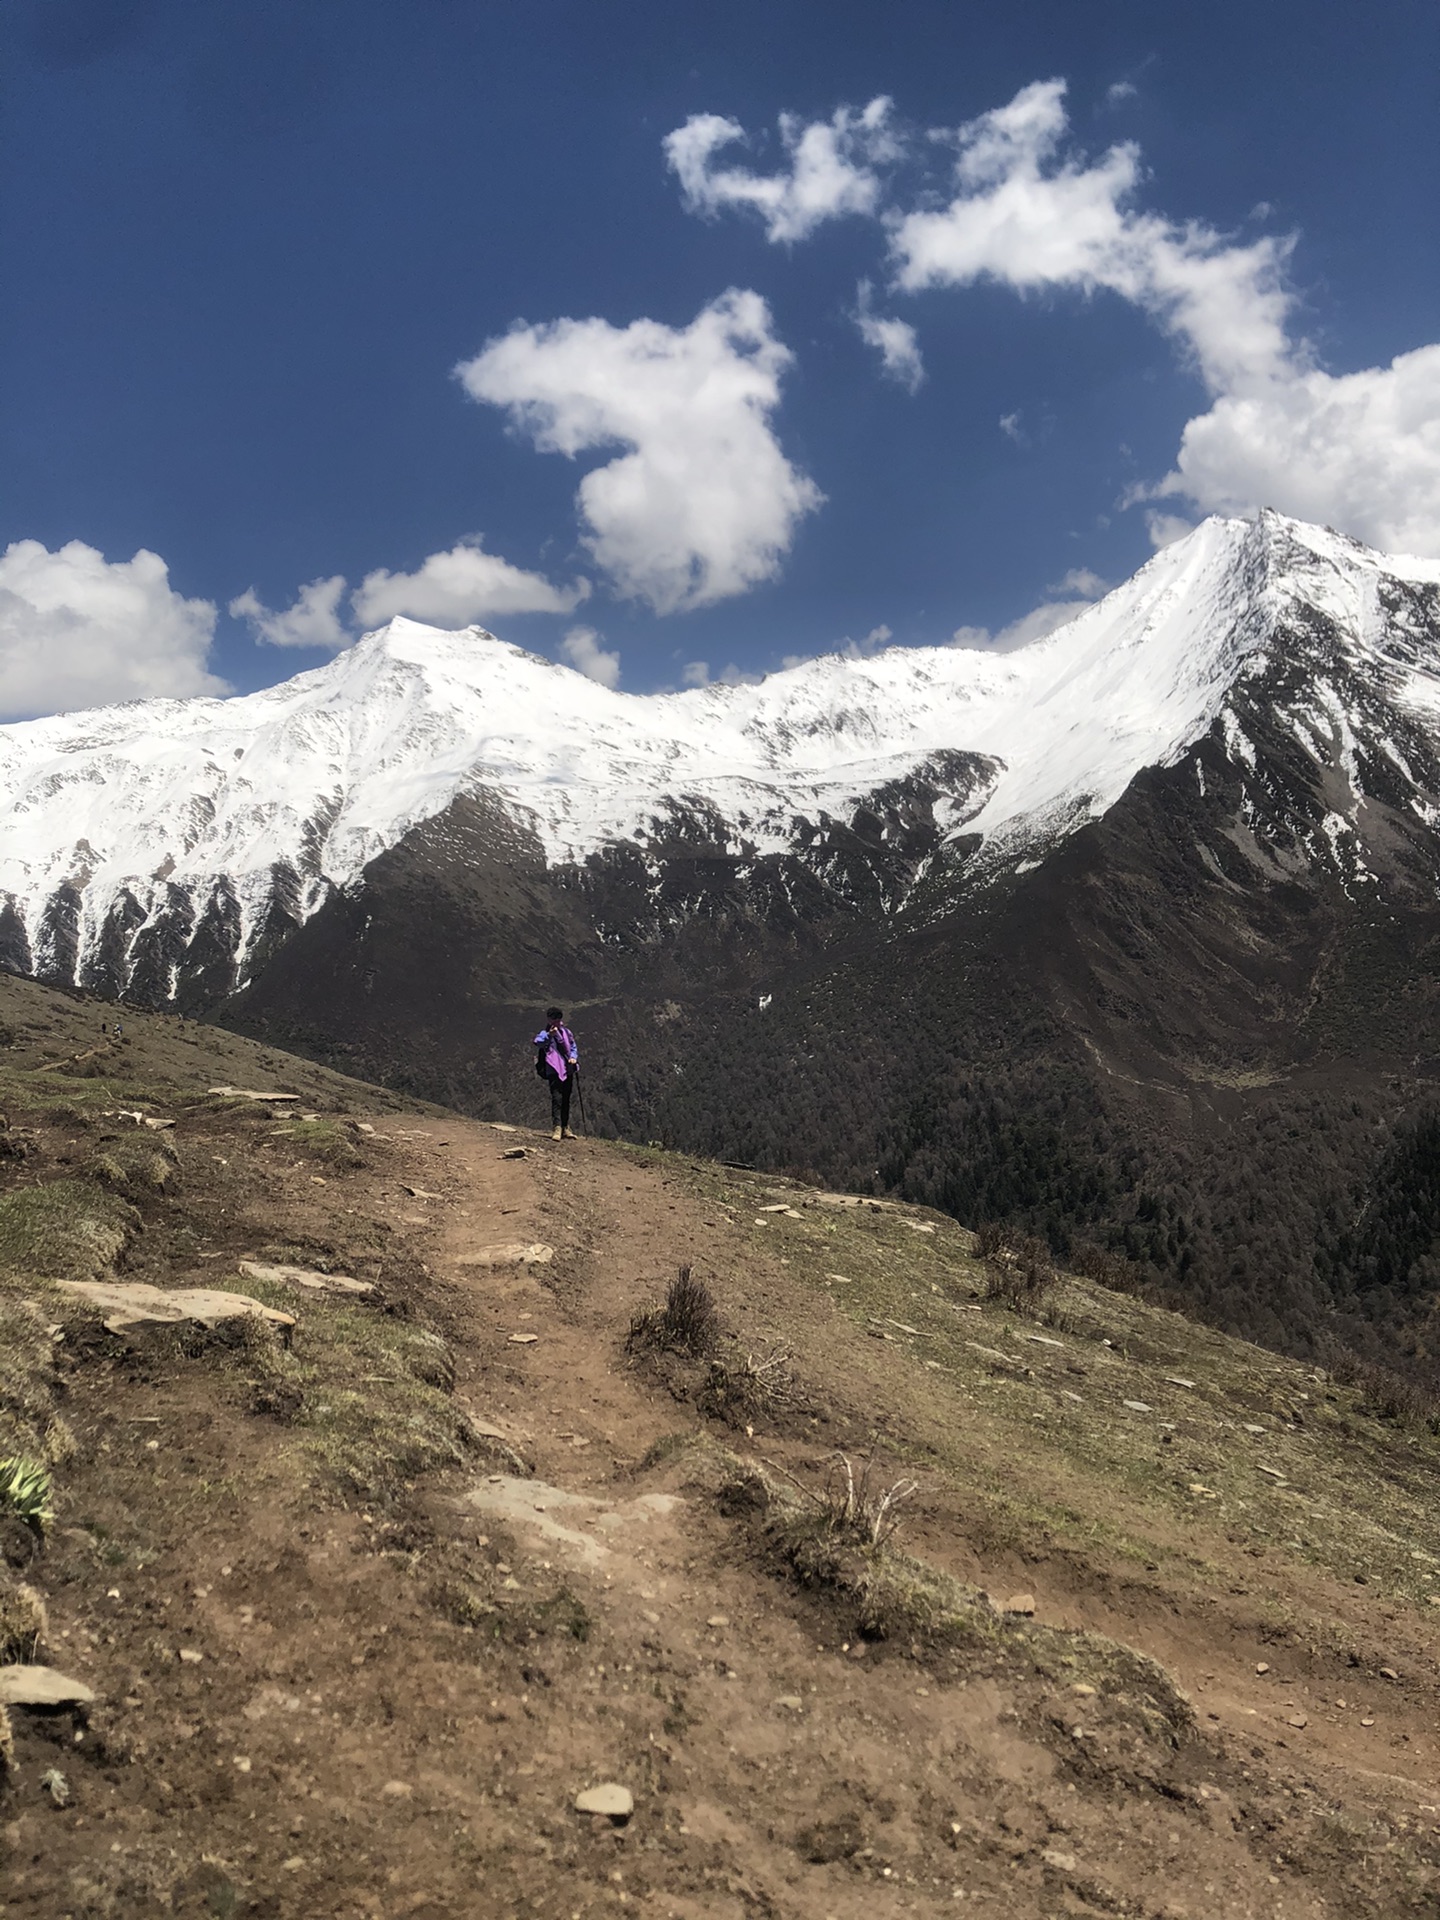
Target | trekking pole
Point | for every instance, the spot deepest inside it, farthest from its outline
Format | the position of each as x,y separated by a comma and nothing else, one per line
579,1088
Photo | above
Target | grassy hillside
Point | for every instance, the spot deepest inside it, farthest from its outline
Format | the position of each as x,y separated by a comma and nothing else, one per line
918,1578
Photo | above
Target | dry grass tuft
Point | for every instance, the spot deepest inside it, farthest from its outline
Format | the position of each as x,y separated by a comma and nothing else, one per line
22,1621
687,1323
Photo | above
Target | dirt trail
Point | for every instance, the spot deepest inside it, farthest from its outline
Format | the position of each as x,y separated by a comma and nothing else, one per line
392,1711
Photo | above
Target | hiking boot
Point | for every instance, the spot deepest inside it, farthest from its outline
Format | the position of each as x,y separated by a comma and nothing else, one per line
556,1134
567,1135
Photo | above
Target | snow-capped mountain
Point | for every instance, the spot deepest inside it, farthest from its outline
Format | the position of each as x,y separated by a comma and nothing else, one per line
158,844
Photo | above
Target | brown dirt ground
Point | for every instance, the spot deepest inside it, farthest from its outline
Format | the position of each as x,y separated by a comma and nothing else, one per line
401,1685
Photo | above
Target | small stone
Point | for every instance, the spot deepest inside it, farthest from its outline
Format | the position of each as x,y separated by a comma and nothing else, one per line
1297,1720
1061,1861
1174,1380
1138,1406
616,1802
514,1153
396,1790
718,1620
523,1339
1369,1722
242,1764
191,1656
1262,1666
1022,1603
1388,1673
791,1702
1084,1689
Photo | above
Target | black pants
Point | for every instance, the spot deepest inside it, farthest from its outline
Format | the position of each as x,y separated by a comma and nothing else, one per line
560,1091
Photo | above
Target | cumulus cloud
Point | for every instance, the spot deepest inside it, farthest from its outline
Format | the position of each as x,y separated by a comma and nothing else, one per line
314,620
1359,451
830,171
1025,208
454,589
450,589
1030,215
77,630
704,504
895,341
581,649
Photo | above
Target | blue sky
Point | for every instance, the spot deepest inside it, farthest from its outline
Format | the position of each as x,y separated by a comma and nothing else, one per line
248,246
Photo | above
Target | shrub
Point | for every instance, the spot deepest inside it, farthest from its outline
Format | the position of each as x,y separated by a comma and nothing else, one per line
862,1507
741,1390
687,1323
1019,1272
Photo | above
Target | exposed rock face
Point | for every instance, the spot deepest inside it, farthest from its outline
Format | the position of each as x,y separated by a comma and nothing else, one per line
1164,885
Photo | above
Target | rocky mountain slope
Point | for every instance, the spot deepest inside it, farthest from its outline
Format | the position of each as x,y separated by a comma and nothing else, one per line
345,1610
1131,935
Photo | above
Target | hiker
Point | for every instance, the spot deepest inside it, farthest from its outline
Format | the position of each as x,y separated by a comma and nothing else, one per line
557,1059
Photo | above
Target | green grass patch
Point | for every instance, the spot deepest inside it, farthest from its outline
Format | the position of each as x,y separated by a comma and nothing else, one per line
65,1230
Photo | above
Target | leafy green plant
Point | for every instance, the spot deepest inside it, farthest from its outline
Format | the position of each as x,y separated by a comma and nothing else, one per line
25,1490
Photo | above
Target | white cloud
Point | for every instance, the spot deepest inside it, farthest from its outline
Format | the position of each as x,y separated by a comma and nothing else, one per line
1166,528
1031,216
895,340
1011,428
1042,620
77,630
698,674
1081,584
313,621
1084,582
581,649
1119,91
1358,451
704,504
457,588
831,170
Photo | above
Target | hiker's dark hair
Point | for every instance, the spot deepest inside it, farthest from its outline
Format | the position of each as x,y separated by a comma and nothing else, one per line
554,1013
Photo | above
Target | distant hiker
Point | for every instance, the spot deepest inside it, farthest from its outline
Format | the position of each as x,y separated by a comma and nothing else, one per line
557,1059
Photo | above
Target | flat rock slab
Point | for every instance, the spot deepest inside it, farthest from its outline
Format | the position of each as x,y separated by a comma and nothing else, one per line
252,1093
305,1277
610,1798
42,1687
134,1304
511,1253
563,1518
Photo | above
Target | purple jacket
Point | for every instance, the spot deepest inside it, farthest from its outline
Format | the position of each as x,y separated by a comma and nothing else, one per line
561,1053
